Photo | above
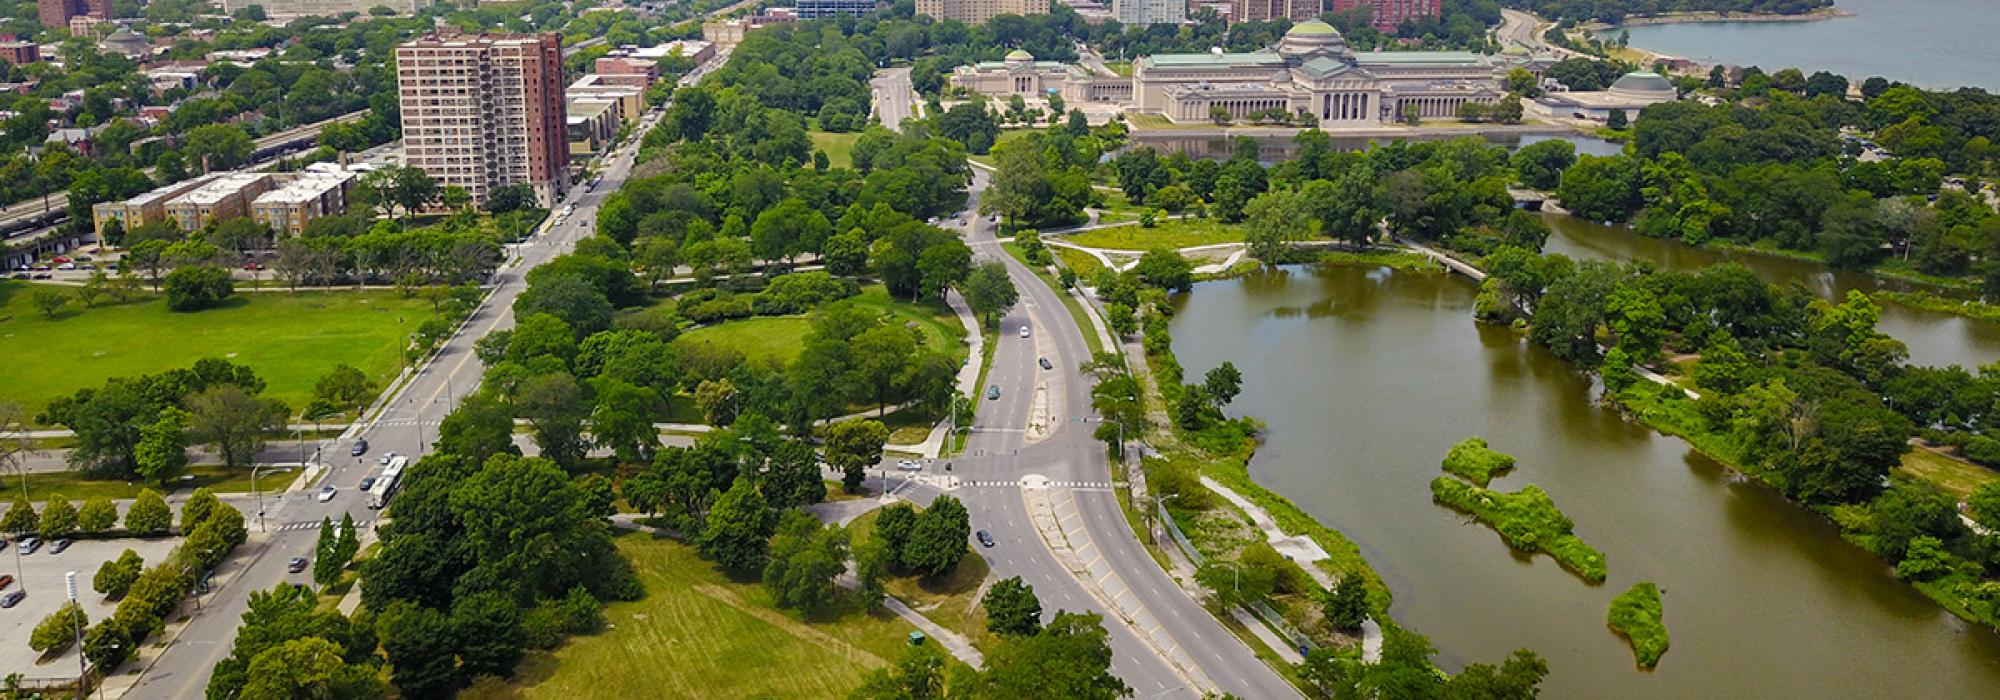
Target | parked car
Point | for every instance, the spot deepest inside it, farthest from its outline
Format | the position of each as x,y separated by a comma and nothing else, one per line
1046,364
985,538
66,266
12,598
326,493
59,259
61,545
366,482
360,448
22,276
43,275
30,544
297,564
992,392
1024,331
6,580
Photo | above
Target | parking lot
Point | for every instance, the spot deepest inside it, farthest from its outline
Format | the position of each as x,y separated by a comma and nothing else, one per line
42,573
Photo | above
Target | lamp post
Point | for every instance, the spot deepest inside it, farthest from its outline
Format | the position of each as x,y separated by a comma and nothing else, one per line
254,470
82,666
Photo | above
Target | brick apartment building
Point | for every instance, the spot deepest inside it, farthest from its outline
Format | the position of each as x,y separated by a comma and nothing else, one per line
481,111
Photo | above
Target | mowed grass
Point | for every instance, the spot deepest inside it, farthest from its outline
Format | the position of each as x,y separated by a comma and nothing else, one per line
839,147
1955,477
779,339
698,634
291,340
1170,233
75,487
951,600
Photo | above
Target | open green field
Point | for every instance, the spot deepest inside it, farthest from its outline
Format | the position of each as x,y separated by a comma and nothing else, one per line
289,339
780,338
698,634
1084,264
73,486
1957,478
1171,233
839,147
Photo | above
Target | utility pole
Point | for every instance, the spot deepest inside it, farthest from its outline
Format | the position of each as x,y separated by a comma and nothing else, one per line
82,665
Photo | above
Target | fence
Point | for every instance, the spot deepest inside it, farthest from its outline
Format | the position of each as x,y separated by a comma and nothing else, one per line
1263,610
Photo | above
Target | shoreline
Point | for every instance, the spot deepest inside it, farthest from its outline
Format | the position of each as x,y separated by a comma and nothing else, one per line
1707,17
1204,131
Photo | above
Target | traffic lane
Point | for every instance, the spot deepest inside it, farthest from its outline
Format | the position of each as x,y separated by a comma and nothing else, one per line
1019,551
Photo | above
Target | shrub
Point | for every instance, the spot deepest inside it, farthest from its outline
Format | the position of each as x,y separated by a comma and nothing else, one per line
1925,559
21,516
1636,616
542,625
581,613
59,630
197,287
801,292
149,514
1476,462
1984,450
114,578
58,518
718,310
97,515
107,645
1528,520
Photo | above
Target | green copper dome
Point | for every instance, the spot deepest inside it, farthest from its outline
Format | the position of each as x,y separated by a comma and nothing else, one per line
1019,55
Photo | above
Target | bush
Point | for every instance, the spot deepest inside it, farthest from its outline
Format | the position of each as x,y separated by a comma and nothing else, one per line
718,310
59,630
542,625
197,287
801,292
114,578
1925,559
1984,450
581,613
1476,462
149,514
1528,520
1636,616
744,284
97,515
58,518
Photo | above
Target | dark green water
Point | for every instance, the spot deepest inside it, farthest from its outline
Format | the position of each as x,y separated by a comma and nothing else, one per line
1366,377
1935,339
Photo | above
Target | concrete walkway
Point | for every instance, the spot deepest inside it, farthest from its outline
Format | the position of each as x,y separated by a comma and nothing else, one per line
1301,549
968,374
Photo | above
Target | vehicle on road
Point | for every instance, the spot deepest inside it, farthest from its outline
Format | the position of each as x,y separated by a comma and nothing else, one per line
909,465
297,564
385,487
985,538
360,448
1046,364
1024,331
366,482
992,392
386,456
66,266
12,598
61,545
326,493
29,545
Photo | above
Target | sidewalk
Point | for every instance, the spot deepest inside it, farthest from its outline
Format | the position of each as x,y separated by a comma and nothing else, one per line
968,374
1301,549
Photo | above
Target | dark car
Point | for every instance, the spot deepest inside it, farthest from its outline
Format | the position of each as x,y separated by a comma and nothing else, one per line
12,598
22,276
985,538
992,392
1046,364
360,448
366,482
297,564
61,545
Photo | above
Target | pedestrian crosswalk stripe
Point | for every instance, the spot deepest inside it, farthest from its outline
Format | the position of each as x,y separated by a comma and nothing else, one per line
314,525
994,483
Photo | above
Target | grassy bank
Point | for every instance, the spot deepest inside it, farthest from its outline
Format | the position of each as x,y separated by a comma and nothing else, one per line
1396,259
1977,310
76,487
290,340
1636,616
1528,520
699,634
1170,233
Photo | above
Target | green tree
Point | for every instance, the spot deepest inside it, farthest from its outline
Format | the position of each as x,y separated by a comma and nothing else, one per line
59,630
423,659
1012,608
21,516
199,506
1165,269
326,568
738,529
310,667
1346,606
851,446
115,577
58,518
48,301
717,401
162,450
219,146
1068,658
198,287
1275,220
97,515
805,558
148,515
990,292
937,540
488,627
481,426
555,409
234,422
344,386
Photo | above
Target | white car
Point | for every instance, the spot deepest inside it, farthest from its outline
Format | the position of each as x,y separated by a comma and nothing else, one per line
386,456
909,465
1024,331
326,493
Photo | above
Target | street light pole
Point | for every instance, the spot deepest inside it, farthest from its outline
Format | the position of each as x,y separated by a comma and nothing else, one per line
260,493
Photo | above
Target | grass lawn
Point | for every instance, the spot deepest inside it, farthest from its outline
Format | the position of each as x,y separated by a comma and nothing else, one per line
839,147
1957,478
698,634
75,487
289,339
1123,68
1172,233
780,338
1084,264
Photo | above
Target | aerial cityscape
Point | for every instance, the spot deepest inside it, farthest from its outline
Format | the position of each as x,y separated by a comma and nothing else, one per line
920,349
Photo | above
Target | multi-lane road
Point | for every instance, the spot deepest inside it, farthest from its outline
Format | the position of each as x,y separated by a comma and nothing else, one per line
895,98
406,425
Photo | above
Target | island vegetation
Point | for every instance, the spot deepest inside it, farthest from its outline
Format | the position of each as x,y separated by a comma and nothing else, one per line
1527,520
1473,461
1636,616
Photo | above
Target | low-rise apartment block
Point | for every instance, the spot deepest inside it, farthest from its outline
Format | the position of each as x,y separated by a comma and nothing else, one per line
143,208
320,190
225,197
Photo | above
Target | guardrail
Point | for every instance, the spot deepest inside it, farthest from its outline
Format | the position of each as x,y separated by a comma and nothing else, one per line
1261,609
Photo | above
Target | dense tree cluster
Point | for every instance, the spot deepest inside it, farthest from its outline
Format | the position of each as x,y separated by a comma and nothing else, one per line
289,647
115,425
213,530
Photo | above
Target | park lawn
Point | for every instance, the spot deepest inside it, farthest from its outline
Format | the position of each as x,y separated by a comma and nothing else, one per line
291,340
779,339
698,634
1171,233
1082,263
839,147
77,488
952,600
1957,478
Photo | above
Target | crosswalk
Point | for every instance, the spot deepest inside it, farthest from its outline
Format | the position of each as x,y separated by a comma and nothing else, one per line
1011,484
314,525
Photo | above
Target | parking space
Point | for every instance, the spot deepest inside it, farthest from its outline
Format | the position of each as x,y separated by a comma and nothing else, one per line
42,575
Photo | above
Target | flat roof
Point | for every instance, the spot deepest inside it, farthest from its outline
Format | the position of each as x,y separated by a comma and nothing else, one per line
164,191
1420,57
307,186
1212,60
583,109
221,188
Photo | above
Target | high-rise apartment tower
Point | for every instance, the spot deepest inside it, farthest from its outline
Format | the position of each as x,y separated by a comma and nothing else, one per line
485,110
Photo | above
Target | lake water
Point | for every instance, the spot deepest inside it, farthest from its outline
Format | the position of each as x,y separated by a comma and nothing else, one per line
1934,339
1934,43
1366,376
1275,149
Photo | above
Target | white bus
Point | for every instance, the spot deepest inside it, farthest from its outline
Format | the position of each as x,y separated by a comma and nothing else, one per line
385,485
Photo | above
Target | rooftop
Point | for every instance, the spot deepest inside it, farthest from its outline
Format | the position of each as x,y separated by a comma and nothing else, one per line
306,187
220,188
1213,60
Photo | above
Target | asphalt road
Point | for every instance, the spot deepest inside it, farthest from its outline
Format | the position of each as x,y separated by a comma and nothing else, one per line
406,426
999,450
1517,28
895,99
